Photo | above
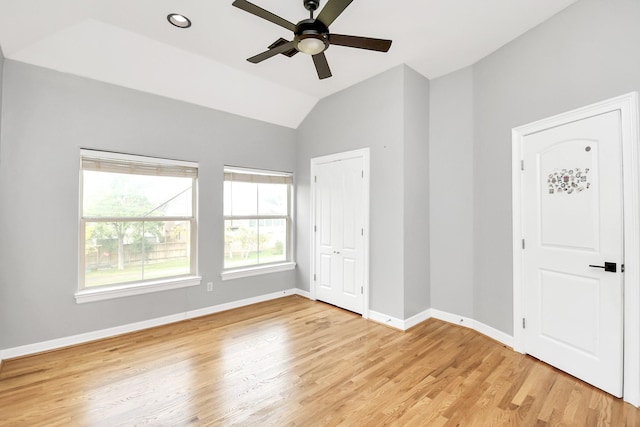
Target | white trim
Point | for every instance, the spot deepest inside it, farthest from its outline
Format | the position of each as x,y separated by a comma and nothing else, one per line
467,322
493,333
417,319
628,107
455,319
364,153
110,292
257,270
302,293
237,304
264,172
382,318
54,344
479,327
135,158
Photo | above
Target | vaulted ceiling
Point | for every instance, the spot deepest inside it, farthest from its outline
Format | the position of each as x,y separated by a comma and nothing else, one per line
130,43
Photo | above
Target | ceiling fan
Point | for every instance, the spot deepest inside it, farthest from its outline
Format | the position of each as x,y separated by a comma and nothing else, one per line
311,36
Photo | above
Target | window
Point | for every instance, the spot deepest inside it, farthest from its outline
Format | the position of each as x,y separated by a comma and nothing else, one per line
137,224
257,220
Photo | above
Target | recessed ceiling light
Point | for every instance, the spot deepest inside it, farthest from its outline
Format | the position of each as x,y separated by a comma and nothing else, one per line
178,20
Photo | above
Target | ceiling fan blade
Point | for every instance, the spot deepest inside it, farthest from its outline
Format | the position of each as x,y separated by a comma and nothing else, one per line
380,45
264,14
322,66
332,10
271,52
291,52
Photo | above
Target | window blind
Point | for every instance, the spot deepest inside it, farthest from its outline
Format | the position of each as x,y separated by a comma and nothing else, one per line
129,164
257,176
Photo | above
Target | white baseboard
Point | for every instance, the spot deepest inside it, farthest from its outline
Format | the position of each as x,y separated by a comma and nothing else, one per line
475,325
237,304
39,347
495,334
467,322
302,293
453,318
394,322
417,319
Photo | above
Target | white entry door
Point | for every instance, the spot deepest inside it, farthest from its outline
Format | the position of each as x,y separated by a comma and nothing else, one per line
339,232
572,221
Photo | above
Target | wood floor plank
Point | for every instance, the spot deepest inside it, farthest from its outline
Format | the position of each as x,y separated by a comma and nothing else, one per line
295,362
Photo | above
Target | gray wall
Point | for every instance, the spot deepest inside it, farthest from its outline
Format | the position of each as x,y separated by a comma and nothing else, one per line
372,114
416,193
587,53
46,118
1,84
451,193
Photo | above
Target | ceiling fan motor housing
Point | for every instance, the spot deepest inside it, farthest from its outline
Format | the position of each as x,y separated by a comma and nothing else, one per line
311,29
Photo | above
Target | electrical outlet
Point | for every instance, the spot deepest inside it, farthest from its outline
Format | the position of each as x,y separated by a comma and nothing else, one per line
209,286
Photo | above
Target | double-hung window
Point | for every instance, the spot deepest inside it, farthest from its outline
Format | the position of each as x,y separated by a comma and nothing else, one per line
137,225
257,221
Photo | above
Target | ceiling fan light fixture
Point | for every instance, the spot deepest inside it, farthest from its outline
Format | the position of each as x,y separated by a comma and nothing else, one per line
178,20
312,44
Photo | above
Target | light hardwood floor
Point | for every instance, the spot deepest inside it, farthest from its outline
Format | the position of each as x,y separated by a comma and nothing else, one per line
293,361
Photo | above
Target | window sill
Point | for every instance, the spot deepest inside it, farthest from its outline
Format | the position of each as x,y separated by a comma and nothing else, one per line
110,292
255,271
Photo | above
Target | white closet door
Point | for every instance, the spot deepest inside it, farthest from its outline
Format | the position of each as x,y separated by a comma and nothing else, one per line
339,233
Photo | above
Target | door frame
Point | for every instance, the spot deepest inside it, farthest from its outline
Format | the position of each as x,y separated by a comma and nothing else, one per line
364,154
627,105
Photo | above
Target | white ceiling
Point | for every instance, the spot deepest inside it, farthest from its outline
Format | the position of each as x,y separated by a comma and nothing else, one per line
131,44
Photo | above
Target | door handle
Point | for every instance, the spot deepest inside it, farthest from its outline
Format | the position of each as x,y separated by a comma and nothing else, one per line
608,266
336,252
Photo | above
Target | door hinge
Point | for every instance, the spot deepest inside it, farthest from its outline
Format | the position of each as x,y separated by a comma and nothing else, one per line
315,179
363,174
315,228
362,231
362,289
522,243
621,268
521,165
314,277
524,323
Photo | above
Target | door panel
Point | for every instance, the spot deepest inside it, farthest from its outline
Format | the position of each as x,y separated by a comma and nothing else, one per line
574,178
352,203
325,208
325,270
572,218
570,324
349,267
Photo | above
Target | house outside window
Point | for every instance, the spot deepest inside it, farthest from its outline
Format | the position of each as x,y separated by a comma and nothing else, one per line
138,227
257,220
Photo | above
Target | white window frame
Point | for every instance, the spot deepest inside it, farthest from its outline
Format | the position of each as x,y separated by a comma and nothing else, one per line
98,293
254,270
